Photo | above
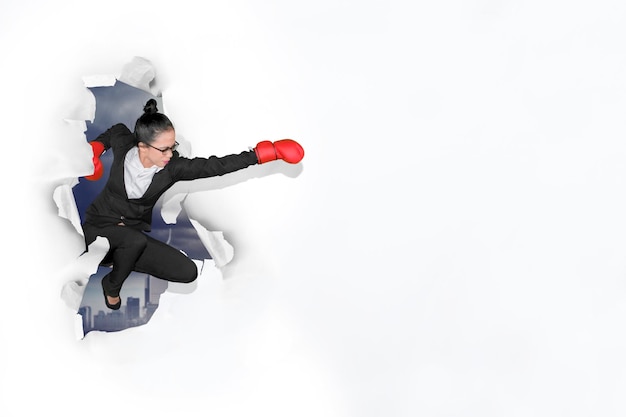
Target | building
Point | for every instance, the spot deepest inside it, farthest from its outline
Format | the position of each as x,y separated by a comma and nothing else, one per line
132,309
85,312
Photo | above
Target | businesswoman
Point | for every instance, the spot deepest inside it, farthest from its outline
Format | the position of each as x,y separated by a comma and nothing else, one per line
145,165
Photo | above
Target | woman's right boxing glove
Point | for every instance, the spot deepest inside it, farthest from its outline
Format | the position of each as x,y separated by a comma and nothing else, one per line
98,168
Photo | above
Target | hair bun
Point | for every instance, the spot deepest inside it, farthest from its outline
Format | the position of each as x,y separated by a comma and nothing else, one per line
150,107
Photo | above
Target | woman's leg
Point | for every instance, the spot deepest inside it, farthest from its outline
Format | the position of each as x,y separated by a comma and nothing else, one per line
163,261
132,250
125,247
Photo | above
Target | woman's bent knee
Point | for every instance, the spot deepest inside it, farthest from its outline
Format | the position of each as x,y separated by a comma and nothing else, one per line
188,272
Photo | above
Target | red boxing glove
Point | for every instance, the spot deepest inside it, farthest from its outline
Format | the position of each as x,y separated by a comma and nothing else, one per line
286,149
98,149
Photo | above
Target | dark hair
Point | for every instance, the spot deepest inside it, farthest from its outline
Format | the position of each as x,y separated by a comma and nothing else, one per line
151,123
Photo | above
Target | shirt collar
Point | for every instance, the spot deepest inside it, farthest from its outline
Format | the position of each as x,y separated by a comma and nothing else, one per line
132,157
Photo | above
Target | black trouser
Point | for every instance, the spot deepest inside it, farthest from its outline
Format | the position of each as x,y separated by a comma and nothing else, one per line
132,250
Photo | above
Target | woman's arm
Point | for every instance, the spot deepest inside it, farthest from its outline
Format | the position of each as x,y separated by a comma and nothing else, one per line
115,135
194,168
188,169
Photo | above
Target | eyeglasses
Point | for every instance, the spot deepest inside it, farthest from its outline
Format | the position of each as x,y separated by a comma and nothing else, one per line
171,148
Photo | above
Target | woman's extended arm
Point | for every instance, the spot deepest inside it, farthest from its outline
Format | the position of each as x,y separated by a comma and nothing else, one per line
188,169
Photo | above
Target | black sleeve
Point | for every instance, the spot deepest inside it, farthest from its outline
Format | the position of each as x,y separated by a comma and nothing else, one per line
194,168
118,134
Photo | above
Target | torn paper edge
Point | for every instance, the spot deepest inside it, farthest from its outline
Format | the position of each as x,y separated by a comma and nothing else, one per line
66,204
221,251
99,80
72,291
171,207
139,73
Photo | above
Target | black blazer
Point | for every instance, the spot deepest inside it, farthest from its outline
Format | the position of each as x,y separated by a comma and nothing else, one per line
112,206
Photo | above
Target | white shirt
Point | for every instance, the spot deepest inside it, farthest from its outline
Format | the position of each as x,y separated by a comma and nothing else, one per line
137,179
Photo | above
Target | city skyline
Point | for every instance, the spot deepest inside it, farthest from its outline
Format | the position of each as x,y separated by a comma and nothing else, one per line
140,299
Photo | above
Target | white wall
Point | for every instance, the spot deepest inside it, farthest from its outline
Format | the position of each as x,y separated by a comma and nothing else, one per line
453,245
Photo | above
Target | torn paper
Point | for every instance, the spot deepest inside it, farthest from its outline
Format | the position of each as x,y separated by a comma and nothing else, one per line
101,80
221,251
138,73
64,199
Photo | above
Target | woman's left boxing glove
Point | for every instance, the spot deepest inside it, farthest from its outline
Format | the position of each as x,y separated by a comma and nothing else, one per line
98,149
286,149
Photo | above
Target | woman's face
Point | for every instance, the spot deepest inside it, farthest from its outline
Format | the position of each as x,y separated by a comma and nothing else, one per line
152,154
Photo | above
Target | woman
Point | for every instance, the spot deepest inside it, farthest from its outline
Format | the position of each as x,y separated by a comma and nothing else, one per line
145,165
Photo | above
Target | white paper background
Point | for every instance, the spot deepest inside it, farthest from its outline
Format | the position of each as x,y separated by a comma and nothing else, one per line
454,245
